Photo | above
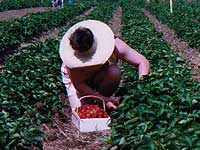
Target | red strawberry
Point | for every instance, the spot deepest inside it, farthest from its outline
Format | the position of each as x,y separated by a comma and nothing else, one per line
91,111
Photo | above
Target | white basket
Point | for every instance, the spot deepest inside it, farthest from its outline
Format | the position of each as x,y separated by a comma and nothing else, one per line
90,124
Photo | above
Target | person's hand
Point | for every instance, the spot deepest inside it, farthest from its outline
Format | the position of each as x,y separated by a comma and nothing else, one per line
143,77
111,103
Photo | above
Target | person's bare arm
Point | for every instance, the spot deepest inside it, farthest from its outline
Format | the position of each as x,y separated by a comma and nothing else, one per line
131,56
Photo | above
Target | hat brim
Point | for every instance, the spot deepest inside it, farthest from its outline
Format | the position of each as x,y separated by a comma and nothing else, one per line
104,45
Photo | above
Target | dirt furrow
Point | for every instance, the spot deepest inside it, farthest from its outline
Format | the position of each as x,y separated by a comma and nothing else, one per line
12,14
191,55
115,22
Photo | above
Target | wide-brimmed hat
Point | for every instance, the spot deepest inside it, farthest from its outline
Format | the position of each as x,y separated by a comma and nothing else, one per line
99,53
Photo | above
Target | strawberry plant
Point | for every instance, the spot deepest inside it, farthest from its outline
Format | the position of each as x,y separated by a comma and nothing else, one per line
31,87
184,19
27,80
162,111
14,32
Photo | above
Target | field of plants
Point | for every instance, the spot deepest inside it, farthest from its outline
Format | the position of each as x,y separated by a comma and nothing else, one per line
158,113
184,20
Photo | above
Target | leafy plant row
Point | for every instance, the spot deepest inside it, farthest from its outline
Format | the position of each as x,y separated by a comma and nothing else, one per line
14,32
19,4
184,20
189,9
31,87
162,111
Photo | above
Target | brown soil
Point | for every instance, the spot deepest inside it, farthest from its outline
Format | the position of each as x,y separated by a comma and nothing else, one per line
12,14
115,22
191,55
64,135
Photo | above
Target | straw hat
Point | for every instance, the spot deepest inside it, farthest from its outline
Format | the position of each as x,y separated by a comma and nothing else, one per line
99,53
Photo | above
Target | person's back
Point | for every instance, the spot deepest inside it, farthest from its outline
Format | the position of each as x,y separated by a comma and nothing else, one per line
85,50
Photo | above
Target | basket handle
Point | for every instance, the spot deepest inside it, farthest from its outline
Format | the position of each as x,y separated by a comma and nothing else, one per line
93,96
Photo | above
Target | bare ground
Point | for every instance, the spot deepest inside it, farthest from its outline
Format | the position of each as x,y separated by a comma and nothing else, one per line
115,22
191,55
12,14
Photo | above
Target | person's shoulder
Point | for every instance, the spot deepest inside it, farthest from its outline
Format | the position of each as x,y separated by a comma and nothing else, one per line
119,42
121,48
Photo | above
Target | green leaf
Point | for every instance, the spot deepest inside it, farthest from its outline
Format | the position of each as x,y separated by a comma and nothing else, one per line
122,141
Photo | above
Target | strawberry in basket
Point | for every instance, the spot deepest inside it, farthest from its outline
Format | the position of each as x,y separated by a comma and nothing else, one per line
91,111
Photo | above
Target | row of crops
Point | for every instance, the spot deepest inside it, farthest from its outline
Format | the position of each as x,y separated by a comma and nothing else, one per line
162,111
185,19
19,4
14,32
31,86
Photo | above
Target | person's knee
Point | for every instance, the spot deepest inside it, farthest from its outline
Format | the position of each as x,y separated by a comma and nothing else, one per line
108,79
